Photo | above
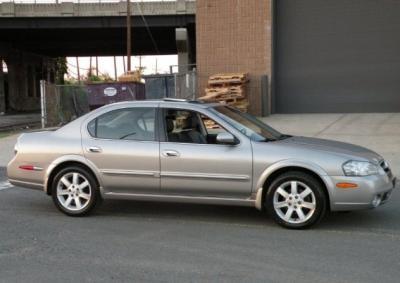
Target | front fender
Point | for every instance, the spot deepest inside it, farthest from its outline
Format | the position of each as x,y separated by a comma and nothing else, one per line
289,163
72,158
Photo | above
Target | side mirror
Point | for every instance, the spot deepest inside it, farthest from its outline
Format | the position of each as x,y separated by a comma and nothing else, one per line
225,138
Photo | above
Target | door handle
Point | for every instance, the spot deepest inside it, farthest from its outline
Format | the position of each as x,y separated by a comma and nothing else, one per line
95,149
170,153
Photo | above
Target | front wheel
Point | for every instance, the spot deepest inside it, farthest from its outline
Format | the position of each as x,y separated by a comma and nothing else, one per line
75,191
296,200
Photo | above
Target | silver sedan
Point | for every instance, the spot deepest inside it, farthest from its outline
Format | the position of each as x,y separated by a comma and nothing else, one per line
187,151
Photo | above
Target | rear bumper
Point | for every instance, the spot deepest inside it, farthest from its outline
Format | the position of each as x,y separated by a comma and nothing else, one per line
372,191
28,185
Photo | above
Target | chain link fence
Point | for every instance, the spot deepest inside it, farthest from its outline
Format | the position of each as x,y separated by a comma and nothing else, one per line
178,85
64,103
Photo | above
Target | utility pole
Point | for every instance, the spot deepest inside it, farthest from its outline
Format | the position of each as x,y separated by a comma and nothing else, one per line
90,67
128,33
115,68
78,70
97,66
123,61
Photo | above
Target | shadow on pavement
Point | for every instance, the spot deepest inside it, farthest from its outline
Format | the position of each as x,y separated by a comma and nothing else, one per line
36,203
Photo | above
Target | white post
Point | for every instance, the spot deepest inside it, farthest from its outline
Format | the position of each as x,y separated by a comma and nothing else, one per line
43,102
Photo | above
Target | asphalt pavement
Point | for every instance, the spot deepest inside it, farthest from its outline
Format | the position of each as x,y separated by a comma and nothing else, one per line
128,241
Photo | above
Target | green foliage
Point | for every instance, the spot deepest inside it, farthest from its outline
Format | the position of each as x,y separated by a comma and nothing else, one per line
61,69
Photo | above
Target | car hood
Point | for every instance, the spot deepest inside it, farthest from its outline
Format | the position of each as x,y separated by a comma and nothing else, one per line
336,147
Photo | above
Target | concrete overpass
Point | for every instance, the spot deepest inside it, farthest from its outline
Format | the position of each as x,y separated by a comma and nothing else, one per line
32,34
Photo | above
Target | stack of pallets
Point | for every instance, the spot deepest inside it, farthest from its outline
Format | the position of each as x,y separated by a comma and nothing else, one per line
228,89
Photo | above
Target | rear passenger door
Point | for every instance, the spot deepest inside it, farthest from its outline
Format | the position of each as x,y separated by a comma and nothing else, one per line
123,144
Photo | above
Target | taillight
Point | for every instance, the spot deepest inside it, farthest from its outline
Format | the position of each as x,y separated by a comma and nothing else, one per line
27,167
30,168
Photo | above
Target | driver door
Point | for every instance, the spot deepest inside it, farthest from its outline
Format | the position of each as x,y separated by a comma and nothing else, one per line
198,168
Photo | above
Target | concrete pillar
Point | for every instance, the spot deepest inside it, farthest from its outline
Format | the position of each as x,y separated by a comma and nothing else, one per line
2,90
22,97
182,45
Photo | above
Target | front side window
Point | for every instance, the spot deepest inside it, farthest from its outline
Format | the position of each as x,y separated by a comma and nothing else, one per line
247,124
186,126
125,124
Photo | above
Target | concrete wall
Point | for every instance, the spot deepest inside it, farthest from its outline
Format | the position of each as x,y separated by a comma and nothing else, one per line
234,36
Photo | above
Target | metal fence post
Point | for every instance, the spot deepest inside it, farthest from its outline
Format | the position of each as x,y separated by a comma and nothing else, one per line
194,86
43,102
176,85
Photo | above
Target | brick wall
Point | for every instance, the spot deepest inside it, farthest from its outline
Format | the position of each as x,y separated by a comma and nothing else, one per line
234,36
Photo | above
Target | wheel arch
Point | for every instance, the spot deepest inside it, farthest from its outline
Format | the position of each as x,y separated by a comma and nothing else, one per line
272,172
67,161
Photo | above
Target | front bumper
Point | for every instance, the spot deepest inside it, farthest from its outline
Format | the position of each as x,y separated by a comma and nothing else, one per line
372,191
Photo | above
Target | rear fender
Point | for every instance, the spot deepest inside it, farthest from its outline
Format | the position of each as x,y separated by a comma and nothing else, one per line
73,158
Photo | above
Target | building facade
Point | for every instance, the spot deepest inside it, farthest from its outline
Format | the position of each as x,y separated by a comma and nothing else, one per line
320,56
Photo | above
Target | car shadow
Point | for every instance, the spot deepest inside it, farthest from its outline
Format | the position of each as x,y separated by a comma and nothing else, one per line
384,218
182,211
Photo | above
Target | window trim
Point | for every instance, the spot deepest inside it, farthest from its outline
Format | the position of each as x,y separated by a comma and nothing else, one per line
156,122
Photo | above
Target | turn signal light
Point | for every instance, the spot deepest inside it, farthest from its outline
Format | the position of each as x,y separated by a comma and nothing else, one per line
346,185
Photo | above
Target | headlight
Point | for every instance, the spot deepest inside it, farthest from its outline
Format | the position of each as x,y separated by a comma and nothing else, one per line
359,168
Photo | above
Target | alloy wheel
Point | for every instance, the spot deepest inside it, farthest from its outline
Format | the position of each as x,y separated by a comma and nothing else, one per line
74,191
294,202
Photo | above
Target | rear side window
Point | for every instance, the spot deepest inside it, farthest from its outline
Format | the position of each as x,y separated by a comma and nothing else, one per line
125,124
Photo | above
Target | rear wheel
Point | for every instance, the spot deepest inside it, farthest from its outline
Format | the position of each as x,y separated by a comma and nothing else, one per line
296,200
75,191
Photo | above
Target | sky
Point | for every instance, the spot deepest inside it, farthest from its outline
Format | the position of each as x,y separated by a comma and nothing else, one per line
152,64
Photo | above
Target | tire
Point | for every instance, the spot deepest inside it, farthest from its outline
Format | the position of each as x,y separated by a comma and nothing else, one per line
75,191
296,200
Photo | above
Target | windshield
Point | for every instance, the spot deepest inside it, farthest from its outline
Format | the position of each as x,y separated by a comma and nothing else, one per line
247,124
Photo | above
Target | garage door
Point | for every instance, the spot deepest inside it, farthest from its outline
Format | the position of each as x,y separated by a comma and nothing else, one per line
337,56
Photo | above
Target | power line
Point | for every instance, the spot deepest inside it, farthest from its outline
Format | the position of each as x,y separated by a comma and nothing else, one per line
85,69
148,29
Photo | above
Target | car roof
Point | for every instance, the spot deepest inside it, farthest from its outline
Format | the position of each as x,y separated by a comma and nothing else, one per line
169,102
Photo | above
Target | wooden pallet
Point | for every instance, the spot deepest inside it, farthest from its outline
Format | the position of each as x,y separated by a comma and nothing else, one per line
227,79
232,99
227,89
